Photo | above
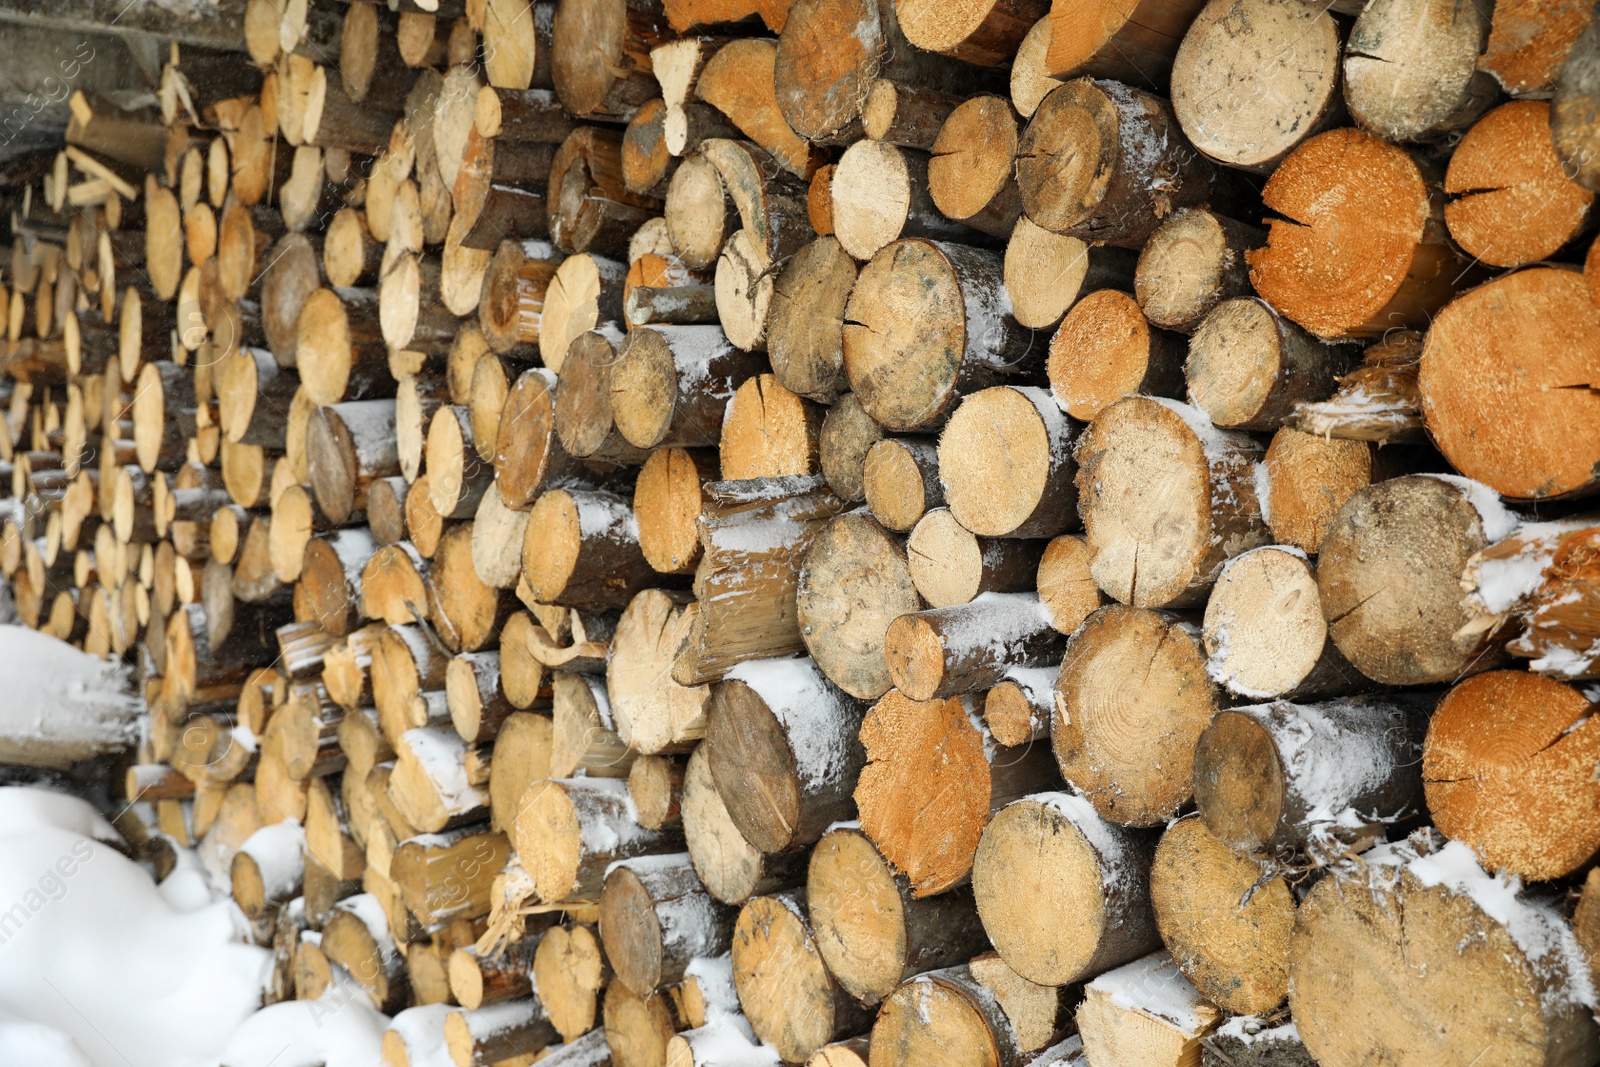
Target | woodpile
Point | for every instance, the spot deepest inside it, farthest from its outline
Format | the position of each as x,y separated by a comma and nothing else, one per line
725,532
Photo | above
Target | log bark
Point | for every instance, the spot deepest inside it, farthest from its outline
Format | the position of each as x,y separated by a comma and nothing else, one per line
656,919
582,549
1248,367
672,385
1295,803
1131,42
351,445
568,831
942,652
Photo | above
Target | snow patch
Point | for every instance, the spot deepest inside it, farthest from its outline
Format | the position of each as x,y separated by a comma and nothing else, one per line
1154,985
1498,521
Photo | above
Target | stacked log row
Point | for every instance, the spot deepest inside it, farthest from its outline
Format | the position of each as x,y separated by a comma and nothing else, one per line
830,532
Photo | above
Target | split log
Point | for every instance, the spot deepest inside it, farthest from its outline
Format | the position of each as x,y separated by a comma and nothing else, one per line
942,652
1164,559
1541,442
1264,632
1380,252
654,712
394,584
584,736
1224,919
925,802
1300,800
734,82
1064,191
1377,401
853,582
1133,765
448,876
791,1001
950,565
1490,739
872,932
1147,1010
1048,858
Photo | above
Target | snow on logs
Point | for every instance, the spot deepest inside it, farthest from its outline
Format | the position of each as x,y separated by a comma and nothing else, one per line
704,548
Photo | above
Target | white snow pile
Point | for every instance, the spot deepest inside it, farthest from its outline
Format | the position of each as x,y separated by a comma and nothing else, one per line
59,700
100,967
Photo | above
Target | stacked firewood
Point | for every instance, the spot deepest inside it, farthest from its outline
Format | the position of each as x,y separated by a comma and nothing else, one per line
740,531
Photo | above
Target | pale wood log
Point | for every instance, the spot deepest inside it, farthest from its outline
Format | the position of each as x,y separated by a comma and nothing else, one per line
872,932
1051,855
